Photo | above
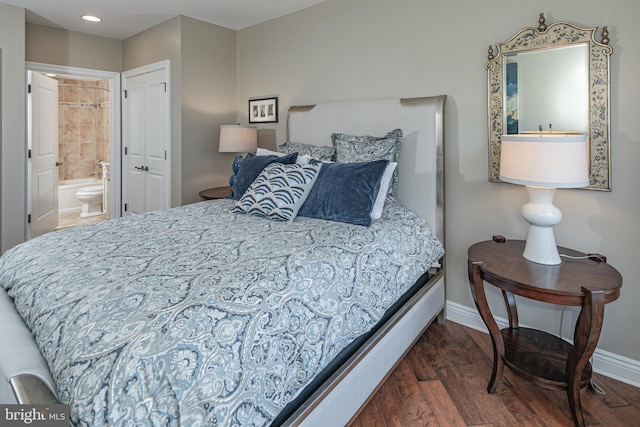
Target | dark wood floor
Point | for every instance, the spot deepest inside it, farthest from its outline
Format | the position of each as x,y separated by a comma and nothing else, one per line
443,382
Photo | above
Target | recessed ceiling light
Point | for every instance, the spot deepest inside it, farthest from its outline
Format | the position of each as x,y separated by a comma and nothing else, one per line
91,18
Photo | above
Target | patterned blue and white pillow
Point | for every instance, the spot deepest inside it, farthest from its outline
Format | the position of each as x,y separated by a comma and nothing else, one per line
356,148
319,152
279,191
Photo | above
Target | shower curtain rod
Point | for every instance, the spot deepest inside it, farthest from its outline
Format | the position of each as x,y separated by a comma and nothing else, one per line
84,87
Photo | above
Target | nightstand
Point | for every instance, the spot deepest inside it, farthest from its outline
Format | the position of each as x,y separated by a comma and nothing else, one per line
215,193
545,359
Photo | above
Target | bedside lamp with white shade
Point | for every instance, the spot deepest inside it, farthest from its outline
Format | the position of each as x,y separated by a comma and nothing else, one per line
237,139
544,162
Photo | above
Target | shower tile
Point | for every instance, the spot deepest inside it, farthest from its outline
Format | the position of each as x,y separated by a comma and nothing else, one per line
73,130
102,116
73,94
105,153
86,168
87,116
73,171
64,113
87,134
61,112
71,154
72,114
102,134
64,173
88,151
86,96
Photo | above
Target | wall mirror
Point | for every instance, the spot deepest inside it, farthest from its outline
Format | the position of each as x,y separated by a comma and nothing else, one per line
552,79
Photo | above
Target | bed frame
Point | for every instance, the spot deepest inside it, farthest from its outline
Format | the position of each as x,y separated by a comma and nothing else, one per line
24,375
421,188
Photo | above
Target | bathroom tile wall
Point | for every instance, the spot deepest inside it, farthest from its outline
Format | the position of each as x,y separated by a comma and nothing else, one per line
83,127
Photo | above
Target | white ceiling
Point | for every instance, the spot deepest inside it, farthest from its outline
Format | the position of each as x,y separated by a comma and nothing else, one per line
124,18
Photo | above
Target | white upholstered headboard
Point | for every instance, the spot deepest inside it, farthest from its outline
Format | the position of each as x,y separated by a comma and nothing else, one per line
421,162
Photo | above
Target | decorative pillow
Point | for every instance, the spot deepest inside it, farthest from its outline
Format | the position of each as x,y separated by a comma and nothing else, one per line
251,167
301,160
320,152
279,191
345,192
353,148
378,206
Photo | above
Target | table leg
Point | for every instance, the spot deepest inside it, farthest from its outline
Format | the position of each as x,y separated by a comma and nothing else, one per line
480,299
512,309
585,339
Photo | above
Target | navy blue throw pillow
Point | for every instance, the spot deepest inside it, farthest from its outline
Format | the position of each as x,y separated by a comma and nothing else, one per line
251,167
345,192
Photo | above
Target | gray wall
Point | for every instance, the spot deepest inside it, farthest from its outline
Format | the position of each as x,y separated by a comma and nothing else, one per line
203,96
160,43
50,45
353,49
208,101
12,135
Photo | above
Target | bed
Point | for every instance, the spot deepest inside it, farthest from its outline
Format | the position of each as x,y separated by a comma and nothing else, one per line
176,317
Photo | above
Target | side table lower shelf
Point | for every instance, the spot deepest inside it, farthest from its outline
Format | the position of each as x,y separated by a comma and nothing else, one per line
540,357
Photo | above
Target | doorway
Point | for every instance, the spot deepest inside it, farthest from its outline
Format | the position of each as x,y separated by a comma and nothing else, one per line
89,143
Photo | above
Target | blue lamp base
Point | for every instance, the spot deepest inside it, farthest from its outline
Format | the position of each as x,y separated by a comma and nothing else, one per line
237,161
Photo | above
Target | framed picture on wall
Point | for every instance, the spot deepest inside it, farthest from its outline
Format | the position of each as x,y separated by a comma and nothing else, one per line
264,110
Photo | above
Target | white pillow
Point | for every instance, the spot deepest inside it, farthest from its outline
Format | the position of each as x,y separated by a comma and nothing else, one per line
265,152
376,212
302,160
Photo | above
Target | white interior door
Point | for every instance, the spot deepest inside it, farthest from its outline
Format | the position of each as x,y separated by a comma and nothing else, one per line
43,147
133,127
146,128
156,177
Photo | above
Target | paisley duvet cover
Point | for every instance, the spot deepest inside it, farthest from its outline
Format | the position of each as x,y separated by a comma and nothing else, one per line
199,316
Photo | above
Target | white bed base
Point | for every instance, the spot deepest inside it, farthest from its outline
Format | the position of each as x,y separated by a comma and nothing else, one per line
421,188
349,389
25,377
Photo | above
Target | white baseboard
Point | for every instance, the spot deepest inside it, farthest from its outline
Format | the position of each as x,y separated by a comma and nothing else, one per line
605,363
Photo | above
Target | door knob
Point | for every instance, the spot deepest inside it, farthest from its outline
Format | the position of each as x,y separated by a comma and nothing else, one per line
58,163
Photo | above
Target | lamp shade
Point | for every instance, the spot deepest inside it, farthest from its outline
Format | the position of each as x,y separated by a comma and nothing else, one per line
238,139
547,160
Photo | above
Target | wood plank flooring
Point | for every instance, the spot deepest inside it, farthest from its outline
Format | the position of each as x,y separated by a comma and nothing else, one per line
443,379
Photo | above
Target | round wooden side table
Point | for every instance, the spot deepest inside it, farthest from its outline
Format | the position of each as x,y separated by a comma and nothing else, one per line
215,193
545,359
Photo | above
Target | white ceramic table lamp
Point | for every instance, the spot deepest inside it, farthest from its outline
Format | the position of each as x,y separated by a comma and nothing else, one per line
543,163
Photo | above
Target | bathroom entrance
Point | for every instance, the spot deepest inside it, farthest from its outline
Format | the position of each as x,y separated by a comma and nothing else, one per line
88,149
83,150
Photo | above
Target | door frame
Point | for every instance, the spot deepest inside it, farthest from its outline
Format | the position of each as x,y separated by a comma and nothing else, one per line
115,141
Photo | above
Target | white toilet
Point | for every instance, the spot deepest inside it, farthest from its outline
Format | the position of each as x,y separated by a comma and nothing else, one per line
91,198
94,199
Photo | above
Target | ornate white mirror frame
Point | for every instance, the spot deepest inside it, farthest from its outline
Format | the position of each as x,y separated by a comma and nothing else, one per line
557,35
